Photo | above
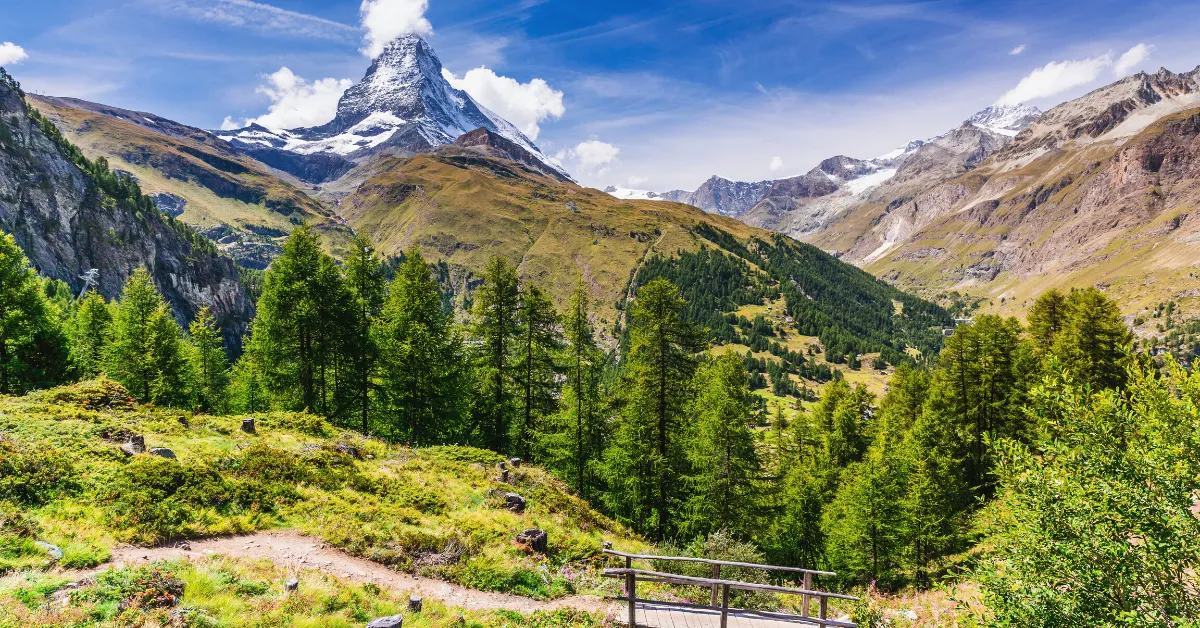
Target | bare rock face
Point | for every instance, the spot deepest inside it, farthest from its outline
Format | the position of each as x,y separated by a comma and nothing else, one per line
66,225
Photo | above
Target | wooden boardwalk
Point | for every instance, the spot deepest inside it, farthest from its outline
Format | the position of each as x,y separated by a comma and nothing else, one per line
655,615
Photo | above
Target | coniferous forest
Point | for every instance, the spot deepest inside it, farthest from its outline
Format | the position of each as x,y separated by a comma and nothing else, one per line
1041,458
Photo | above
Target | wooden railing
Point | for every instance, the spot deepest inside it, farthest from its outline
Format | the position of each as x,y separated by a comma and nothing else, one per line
722,587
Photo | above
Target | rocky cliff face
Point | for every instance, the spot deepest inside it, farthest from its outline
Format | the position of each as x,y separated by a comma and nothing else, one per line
728,198
67,225
492,144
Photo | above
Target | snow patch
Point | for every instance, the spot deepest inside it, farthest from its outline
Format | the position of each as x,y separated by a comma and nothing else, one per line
1142,118
866,182
632,195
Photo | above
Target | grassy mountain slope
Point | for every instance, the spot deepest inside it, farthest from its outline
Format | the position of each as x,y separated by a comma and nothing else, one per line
436,512
237,201
464,207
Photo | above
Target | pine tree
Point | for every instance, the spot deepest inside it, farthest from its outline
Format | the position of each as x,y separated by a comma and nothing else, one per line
1046,319
420,358
91,333
131,358
495,329
1093,344
33,346
209,363
724,469
646,459
538,343
365,281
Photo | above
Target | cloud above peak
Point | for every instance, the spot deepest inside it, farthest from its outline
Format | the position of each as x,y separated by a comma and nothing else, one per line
385,20
523,104
1057,77
592,157
11,53
295,102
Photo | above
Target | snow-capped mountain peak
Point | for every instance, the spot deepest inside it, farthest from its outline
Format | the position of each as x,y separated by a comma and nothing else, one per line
1005,119
402,104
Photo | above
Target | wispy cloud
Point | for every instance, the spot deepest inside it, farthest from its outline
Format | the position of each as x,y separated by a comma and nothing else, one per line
1057,77
258,16
386,20
1018,50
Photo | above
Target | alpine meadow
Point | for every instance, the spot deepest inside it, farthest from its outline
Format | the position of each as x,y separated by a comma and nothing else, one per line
485,343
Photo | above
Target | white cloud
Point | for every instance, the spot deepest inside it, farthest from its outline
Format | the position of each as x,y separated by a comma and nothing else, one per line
592,157
296,102
523,104
776,164
1132,58
1018,50
11,53
228,124
386,20
256,16
635,180
1054,78
1057,77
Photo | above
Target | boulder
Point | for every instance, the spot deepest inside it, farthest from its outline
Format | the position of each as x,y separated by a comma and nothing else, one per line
514,502
136,445
395,621
535,538
162,452
248,426
414,603
53,550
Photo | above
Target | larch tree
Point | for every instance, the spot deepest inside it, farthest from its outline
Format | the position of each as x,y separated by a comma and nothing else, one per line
91,333
209,363
33,346
365,282
538,344
495,330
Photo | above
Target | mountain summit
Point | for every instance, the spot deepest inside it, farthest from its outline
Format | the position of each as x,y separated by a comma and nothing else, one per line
402,106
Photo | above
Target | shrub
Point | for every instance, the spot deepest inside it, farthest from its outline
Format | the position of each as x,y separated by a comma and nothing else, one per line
466,455
33,477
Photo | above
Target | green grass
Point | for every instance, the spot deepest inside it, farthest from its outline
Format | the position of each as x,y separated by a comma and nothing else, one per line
219,591
435,512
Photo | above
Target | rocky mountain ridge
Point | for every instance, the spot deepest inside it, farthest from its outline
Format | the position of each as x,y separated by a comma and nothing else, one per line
67,224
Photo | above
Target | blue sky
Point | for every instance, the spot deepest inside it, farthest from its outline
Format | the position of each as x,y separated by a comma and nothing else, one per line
654,94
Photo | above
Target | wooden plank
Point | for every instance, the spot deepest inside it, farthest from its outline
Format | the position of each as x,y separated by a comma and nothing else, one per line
730,563
735,584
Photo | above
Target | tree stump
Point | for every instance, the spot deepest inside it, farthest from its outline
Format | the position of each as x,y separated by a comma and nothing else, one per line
414,603
248,426
535,538
514,502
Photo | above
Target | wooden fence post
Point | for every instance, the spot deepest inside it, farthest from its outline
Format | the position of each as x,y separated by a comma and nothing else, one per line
716,576
724,606
824,608
630,589
808,582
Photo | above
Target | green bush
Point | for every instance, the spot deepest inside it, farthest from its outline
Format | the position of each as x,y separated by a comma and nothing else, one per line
33,477
458,453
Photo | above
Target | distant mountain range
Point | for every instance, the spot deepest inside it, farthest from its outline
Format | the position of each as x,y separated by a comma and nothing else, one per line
402,106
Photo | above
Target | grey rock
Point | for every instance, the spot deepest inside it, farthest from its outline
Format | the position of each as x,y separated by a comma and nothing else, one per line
348,449
394,621
136,445
53,550
162,452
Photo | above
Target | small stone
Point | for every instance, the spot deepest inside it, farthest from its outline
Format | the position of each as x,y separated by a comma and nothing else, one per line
395,621
514,502
248,426
162,452
515,462
535,538
414,603
348,449
136,445
53,550
184,545
292,585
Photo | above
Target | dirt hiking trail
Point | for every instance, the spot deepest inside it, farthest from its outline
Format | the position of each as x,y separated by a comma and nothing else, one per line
296,552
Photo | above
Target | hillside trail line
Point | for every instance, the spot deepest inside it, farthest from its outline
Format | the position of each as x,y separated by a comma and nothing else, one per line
295,552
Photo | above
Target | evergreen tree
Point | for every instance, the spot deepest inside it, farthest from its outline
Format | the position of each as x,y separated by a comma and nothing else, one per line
299,325
646,458
496,328
420,358
365,281
865,523
1046,319
538,343
173,382
33,347
131,358
91,333
209,363
724,470
1094,341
